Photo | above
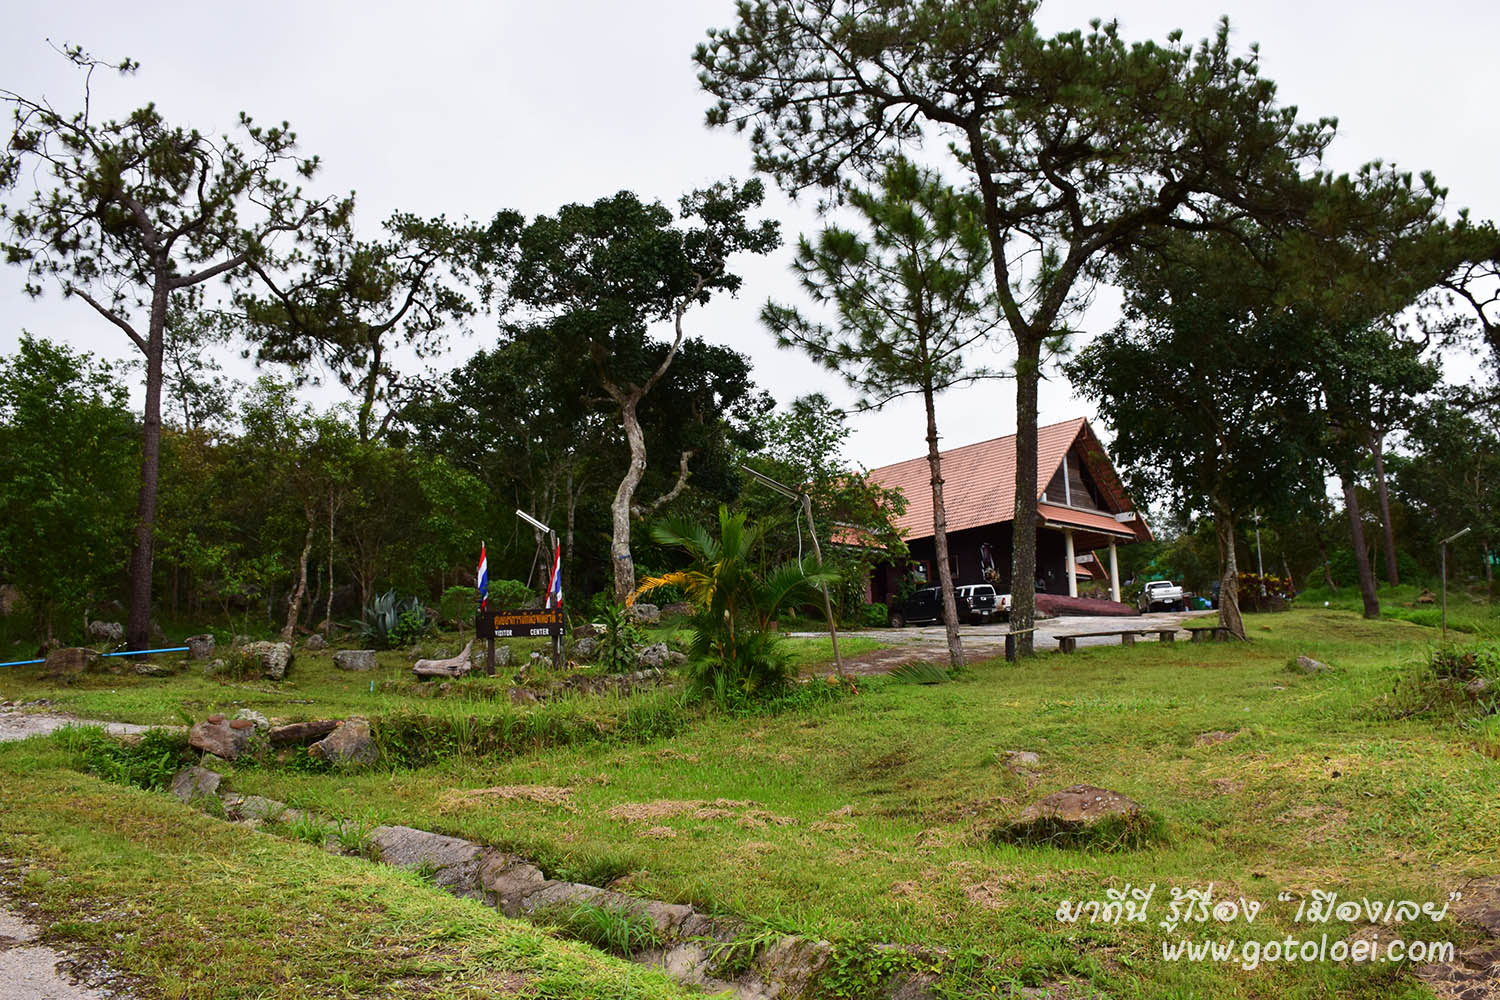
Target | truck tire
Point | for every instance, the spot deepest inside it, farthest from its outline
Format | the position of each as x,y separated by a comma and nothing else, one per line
898,620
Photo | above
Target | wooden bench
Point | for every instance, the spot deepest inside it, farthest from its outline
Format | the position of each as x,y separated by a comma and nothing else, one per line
1208,633
1069,643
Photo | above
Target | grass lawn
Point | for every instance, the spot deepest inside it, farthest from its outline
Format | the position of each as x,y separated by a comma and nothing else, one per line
188,906
867,818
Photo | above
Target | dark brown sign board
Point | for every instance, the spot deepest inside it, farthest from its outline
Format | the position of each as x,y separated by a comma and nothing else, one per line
519,624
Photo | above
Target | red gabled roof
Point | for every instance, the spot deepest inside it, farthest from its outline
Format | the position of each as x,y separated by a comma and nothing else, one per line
979,480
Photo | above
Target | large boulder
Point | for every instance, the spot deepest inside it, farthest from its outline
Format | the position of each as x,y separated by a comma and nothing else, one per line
585,649
1081,805
355,659
654,656
1081,816
350,743
274,657
643,614
301,733
70,661
1308,665
222,738
195,783
200,647
454,863
107,631
315,643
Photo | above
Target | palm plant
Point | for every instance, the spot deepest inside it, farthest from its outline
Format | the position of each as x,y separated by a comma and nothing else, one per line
734,647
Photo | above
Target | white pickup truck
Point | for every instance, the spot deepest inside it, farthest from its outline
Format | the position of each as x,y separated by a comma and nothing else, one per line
1162,595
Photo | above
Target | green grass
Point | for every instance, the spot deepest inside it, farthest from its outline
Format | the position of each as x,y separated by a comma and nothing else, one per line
188,906
870,818
1468,608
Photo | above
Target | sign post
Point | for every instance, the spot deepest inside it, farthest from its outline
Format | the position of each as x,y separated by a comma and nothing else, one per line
526,623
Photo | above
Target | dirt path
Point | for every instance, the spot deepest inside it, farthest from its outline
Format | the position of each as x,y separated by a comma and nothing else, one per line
983,642
31,971
18,725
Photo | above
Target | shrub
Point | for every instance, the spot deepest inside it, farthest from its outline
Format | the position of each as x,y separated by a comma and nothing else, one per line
459,604
618,642
1454,663
510,595
149,763
875,616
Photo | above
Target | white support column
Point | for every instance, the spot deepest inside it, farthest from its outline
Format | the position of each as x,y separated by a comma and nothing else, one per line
1072,564
1114,574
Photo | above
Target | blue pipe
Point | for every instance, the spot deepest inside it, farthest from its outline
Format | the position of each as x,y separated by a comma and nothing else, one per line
128,652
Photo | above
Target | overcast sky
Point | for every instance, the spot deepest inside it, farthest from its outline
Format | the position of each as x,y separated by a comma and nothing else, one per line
464,109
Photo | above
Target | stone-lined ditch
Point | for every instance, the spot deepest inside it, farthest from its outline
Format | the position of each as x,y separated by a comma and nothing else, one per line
711,952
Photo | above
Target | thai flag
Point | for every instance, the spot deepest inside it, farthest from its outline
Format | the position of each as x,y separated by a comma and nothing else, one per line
484,580
554,586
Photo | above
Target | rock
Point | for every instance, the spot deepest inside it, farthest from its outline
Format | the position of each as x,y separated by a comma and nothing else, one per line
453,666
258,807
585,649
587,630
10,598
678,609
654,656
523,696
107,631
158,636
220,738
355,659
275,657
71,661
1426,597
677,658
1308,665
643,614
1020,760
508,880
195,783
301,732
253,717
1479,687
350,743
795,963
1078,807
454,862
151,669
315,643
200,647
1217,736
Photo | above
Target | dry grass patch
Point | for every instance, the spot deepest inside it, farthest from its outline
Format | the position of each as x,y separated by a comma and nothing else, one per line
457,799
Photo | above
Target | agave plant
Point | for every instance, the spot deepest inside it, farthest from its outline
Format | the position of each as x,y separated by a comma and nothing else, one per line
389,622
733,645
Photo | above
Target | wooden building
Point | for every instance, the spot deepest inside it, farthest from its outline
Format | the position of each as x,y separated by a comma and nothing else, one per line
1081,508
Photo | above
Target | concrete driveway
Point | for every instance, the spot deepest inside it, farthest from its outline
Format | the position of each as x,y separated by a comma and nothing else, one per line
982,642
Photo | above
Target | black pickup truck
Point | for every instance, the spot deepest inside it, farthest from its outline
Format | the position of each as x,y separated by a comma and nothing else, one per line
976,603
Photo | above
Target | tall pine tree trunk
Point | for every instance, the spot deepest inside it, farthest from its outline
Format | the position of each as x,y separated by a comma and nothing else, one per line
1023,535
1357,536
940,537
1229,574
138,627
1377,449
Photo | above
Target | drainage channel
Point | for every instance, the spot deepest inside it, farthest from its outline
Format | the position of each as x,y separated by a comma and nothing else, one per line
707,952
